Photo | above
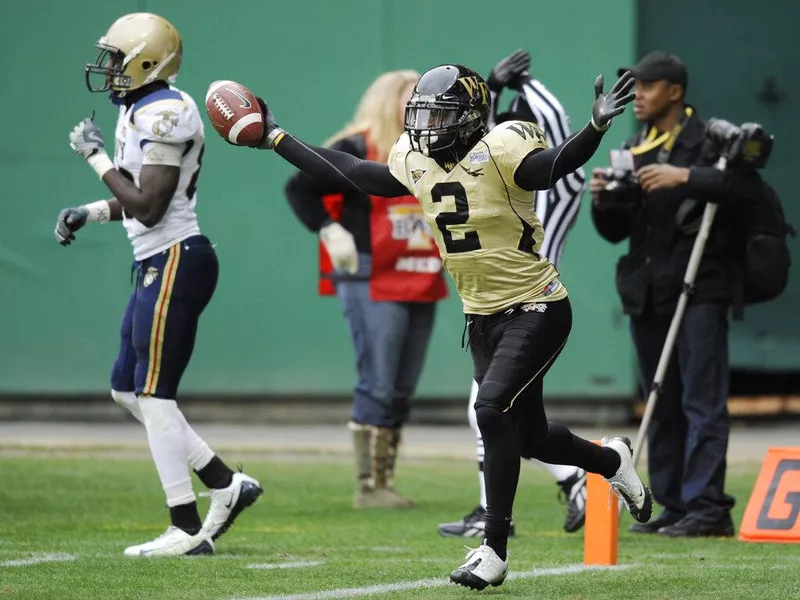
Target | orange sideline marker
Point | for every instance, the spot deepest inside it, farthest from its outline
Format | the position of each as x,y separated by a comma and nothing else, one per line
601,531
773,512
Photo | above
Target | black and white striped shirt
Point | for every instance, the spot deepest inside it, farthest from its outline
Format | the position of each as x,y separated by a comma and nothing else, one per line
557,208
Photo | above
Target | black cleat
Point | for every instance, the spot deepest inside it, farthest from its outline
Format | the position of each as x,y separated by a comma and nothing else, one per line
472,525
573,494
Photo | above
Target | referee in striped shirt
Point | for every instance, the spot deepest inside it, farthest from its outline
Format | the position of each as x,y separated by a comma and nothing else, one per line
557,209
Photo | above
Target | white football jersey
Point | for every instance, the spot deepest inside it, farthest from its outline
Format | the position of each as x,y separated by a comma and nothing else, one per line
166,116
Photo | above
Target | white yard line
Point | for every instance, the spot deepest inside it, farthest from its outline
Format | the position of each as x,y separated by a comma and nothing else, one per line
286,565
421,583
37,559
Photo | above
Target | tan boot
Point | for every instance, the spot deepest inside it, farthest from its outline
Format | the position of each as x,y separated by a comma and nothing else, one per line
385,444
362,444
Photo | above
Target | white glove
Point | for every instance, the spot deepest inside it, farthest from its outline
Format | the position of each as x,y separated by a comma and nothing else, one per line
340,246
87,139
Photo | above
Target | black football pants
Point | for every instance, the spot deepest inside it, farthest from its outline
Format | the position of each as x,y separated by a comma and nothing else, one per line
511,353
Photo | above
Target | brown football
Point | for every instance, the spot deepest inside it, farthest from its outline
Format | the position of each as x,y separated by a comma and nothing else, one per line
234,113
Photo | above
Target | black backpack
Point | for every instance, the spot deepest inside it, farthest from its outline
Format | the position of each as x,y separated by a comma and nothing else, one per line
766,262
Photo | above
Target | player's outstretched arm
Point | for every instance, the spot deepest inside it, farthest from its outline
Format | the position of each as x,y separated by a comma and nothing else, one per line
335,168
157,182
540,170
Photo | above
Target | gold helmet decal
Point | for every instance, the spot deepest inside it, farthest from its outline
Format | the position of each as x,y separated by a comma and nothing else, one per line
138,49
473,84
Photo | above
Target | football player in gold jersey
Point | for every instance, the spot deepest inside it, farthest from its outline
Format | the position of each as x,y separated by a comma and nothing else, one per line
477,192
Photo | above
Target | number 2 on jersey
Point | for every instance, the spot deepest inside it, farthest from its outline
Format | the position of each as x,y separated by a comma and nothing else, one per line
460,216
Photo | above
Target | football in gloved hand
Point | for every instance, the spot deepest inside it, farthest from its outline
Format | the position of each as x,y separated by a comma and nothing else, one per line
234,112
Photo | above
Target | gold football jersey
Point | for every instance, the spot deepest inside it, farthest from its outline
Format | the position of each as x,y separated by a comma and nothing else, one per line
484,225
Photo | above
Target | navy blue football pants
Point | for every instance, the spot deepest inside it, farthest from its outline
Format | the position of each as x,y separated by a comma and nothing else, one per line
160,322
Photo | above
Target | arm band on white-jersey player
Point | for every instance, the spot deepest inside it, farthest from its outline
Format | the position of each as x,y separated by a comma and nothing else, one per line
99,211
100,163
159,153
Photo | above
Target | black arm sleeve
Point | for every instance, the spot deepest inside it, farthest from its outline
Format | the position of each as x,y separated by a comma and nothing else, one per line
305,194
340,171
540,169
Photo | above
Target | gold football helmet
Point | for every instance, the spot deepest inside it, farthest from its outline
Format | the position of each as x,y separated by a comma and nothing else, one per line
138,49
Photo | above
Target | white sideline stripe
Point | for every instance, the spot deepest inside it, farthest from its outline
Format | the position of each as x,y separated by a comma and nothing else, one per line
35,560
421,583
286,565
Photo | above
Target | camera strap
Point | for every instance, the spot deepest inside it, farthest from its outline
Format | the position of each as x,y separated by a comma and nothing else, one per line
649,139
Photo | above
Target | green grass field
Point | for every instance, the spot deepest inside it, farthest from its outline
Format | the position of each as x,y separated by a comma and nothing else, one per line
80,512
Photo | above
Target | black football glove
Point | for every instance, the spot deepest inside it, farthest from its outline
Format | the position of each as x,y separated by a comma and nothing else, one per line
69,221
607,106
267,141
508,71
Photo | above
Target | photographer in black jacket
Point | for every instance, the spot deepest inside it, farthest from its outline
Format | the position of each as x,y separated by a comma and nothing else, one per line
655,195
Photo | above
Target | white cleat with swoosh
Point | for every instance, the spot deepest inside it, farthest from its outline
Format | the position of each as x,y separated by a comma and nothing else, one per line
173,542
227,503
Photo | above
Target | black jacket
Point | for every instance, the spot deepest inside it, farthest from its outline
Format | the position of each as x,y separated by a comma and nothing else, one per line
654,268
305,197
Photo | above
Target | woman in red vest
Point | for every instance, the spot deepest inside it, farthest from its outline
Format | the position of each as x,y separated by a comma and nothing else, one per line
377,256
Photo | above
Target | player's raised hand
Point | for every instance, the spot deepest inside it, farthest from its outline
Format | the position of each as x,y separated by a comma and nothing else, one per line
87,139
607,106
508,71
69,221
271,129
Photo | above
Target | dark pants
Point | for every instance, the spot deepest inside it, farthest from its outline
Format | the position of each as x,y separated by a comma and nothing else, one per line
688,436
391,341
511,353
160,322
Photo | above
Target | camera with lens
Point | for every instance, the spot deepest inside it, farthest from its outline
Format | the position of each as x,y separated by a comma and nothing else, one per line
747,146
622,190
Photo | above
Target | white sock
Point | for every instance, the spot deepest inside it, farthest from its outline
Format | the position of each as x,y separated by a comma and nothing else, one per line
560,472
473,422
482,485
169,446
129,401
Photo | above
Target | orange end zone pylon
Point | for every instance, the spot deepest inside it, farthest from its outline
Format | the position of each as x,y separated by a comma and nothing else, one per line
773,512
601,531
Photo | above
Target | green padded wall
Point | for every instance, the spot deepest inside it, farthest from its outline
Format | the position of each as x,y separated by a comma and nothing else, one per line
266,331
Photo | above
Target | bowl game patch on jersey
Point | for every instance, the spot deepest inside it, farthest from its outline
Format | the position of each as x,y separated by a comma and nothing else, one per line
478,156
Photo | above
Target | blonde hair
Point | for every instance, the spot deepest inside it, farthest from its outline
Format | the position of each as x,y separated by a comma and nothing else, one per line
376,115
